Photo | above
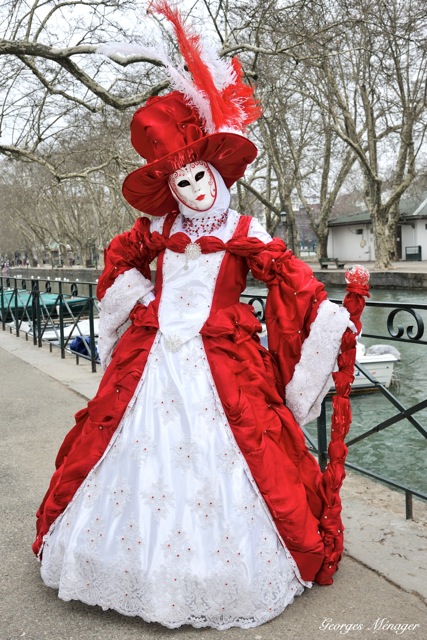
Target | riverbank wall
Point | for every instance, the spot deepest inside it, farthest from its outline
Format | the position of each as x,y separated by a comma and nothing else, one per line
393,279
71,273
402,275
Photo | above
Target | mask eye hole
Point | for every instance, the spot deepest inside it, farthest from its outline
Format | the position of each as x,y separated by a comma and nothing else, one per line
183,183
199,175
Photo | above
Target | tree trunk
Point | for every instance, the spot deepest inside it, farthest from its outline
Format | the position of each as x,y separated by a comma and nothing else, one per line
322,243
385,241
394,216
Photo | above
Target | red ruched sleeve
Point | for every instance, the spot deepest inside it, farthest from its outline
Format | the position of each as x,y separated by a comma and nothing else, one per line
293,300
126,251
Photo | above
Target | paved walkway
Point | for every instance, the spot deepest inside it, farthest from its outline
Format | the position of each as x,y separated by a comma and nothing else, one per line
381,581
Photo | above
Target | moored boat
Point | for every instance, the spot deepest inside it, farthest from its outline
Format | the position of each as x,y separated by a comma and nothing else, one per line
379,361
19,306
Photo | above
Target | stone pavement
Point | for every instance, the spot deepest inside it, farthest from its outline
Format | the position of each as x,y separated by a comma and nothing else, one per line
382,578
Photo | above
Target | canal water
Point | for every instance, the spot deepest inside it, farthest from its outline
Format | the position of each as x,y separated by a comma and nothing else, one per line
399,452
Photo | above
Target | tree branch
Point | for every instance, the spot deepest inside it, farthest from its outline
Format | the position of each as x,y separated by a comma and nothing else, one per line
23,154
259,196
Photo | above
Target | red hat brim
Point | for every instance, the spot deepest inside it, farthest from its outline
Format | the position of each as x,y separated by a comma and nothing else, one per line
147,189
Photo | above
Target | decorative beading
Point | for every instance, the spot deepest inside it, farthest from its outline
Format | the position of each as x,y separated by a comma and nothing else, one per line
247,580
204,225
173,343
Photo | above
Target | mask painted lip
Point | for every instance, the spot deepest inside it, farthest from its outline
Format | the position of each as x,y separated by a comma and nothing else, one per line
201,197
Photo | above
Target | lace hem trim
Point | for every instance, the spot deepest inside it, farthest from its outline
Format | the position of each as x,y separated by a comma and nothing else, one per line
198,622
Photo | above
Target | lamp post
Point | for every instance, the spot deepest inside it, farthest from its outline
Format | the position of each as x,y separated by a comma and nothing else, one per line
92,252
288,230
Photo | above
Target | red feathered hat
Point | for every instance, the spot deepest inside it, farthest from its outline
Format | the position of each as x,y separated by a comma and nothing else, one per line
168,133
203,120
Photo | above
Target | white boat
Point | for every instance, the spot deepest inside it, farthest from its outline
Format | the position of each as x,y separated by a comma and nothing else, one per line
77,335
379,360
51,332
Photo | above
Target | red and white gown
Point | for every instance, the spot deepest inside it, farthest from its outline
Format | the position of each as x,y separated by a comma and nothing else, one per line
168,500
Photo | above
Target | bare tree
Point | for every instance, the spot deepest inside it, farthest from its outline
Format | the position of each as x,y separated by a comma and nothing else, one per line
297,138
351,69
371,79
331,165
82,212
51,71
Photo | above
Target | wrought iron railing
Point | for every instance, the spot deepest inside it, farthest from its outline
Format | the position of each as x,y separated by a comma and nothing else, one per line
59,312
410,331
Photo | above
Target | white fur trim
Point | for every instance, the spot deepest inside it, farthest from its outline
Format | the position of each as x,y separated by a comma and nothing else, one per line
117,303
313,374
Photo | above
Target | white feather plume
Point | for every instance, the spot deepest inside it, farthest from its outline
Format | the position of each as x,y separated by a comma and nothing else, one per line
221,70
180,79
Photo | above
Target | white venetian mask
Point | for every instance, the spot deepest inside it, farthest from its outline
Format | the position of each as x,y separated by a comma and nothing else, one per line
194,185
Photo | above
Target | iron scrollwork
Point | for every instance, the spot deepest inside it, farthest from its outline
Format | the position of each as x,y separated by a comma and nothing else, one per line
412,333
256,302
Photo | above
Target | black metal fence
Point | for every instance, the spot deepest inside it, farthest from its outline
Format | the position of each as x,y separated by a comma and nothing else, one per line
62,313
66,314
403,323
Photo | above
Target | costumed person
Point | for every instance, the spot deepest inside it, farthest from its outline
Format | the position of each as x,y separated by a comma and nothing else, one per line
185,493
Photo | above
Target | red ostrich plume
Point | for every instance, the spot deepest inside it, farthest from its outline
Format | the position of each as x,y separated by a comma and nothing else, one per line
232,104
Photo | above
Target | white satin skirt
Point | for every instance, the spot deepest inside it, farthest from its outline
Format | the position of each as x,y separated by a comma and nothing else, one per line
169,525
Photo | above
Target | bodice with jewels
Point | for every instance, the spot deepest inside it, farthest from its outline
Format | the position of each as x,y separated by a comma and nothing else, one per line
189,278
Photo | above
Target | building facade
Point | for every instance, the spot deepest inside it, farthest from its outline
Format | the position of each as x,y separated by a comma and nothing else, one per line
351,237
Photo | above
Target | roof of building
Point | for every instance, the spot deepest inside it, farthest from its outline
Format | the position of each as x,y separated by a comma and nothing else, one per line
363,217
420,211
410,208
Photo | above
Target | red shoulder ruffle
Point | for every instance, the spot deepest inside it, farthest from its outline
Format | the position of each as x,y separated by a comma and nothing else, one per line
126,251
